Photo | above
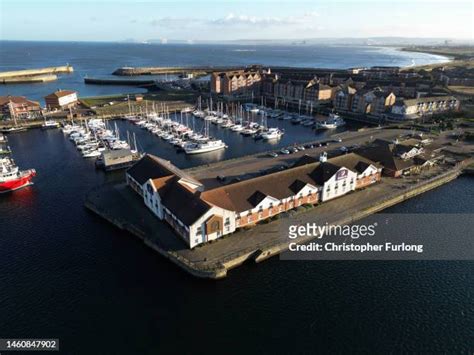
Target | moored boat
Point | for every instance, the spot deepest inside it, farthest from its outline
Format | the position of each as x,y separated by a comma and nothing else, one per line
12,178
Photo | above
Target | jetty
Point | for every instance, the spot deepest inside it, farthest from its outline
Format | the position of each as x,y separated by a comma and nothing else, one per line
131,71
131,82
33,75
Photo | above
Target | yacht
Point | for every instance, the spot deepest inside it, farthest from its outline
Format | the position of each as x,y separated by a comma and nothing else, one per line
49,124
334,121
248,131
272,133
204,147
237,128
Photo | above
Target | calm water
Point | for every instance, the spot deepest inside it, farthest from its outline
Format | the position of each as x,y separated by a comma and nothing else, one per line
101,59
65,273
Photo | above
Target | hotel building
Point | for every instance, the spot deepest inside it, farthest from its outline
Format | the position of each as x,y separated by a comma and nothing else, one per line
199,215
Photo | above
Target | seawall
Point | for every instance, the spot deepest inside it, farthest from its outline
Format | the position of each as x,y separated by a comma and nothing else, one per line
213,260
99,81
32,72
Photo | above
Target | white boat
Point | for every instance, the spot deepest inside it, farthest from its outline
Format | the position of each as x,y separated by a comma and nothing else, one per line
272,133
237,128
333,122
68,129
187,109
91,153
248,131
205,147
227,124
199,114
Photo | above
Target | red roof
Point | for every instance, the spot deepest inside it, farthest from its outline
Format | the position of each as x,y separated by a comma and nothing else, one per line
17,100
60,93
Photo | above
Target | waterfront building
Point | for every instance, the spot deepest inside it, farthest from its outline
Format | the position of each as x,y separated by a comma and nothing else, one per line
415,108
374,102
296,91
19,107
199,215
237,82
343,97
400,158
61,99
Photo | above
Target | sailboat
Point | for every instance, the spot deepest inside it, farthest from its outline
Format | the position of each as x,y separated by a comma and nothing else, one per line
209,145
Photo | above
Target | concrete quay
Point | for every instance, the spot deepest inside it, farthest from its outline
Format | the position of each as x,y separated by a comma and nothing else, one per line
131,71
33,75
122,207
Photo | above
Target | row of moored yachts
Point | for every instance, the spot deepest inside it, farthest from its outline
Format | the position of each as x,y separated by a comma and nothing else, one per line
95,137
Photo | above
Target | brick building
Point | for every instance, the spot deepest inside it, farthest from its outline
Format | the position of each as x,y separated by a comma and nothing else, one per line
19,107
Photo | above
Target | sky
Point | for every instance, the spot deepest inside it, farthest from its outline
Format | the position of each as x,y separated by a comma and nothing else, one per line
218,20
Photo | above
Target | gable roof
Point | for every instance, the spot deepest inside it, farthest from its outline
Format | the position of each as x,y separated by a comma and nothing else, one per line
385,153
17,100
324,172
59,93
153,167
186,205
148,168
245,195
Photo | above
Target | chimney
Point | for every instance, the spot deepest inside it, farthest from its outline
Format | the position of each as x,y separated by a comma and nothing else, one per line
323,157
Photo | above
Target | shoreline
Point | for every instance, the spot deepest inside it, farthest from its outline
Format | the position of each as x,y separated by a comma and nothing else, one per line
262,241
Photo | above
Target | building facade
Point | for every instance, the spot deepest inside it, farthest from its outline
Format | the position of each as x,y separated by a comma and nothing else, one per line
237,82
199,216
19,107
414,108
61,99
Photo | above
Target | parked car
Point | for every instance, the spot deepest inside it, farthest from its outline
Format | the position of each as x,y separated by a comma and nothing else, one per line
300,147
272,154
292,150
284,151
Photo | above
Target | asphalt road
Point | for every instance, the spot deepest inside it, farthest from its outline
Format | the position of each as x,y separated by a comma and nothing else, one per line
255,165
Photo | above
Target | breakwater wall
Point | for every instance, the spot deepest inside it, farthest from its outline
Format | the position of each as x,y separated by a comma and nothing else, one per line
33,75
33,72
100,81
131,71
29,79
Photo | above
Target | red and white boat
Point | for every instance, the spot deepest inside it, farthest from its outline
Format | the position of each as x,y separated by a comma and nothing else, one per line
12,178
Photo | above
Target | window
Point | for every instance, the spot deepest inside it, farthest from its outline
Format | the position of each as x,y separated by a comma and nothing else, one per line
216,225
198,231
227,221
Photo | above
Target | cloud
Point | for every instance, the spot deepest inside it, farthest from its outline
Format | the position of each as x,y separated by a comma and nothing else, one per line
305,20
265,21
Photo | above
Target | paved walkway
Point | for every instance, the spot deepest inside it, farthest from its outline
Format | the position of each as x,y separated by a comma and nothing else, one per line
252,165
